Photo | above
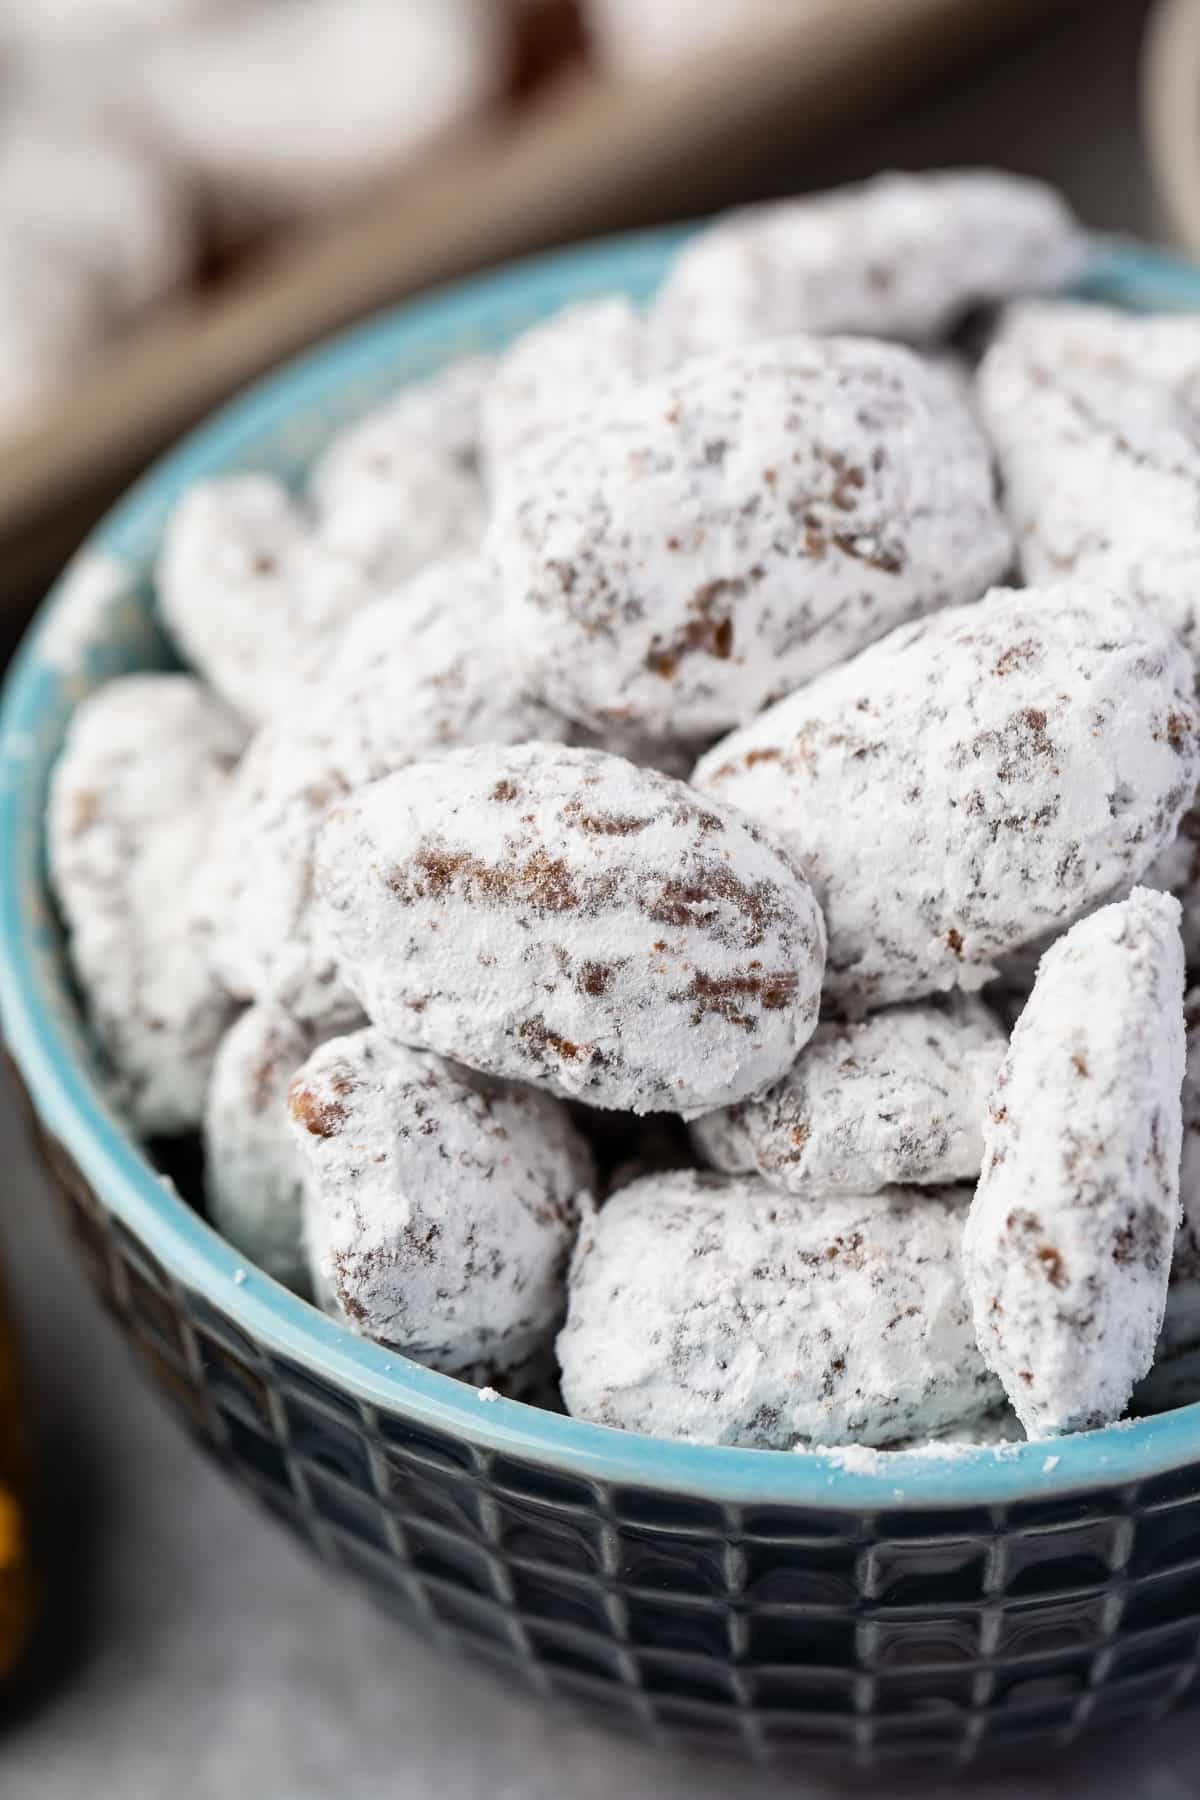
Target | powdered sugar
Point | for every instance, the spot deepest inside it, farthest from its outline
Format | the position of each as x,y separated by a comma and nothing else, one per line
253,1176
711,1309
400,488
976,779
439,1206
248,593
417,671
282,110
555,915
561,368
93,585
1096,422
901,256
900,1098
131,811
1068,1246
714,539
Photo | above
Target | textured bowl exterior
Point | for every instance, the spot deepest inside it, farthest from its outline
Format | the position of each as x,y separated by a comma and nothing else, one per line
770,1605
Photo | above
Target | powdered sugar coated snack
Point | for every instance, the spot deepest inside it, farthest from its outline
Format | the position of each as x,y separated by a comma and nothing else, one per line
248,592
557,916
94,228
267,149
1068,1246
1094,417
559,368
973,781
901,256
416,671
440,1206
401,488
712,1309
132,807
715,539
95,198
253,1175
898,1099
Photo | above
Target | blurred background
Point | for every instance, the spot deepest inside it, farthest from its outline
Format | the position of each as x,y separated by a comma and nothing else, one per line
190,191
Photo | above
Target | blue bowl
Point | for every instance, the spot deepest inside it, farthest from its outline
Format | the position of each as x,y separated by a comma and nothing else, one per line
759,1602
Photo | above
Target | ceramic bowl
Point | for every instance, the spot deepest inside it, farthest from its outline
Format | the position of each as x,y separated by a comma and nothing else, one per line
767,1604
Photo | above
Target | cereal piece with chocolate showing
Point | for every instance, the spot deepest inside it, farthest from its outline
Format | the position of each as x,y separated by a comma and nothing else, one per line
440,1206
1096,425
710,541
253,1176
900,1098
247,591
400,488
132,806
901,256
712,1309
561,368
1068,1247
976,780
1095,419
415,672
557,916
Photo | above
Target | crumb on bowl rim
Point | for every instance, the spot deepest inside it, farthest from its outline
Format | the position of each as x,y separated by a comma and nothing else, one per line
44,1041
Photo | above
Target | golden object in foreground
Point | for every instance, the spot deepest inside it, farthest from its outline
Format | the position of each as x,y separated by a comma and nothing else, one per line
17,1585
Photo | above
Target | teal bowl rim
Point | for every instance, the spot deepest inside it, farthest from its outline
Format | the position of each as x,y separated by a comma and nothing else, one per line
56,1073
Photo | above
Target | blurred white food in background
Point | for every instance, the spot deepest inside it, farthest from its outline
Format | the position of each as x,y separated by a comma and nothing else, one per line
281,108
94,227
84,192
634,38
45,328
136,134
36,26
400,488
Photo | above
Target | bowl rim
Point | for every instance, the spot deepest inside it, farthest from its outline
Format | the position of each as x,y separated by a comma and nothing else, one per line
71,1109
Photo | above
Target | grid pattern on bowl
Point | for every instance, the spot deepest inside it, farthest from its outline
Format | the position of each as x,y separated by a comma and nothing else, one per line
772,1631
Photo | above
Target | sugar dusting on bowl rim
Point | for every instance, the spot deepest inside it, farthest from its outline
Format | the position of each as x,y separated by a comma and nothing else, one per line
281,421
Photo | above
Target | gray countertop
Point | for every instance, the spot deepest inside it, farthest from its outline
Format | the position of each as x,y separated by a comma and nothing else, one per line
194,1651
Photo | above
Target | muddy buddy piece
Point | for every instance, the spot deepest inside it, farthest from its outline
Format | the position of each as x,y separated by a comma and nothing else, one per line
717,538
974,781
132,807
557,916
400,488
440,1206
1094,417
902,256
248,592
1068,1246
95,228
898,1099
417,671
560,369
255,586
712,1309
285,112
253,1175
